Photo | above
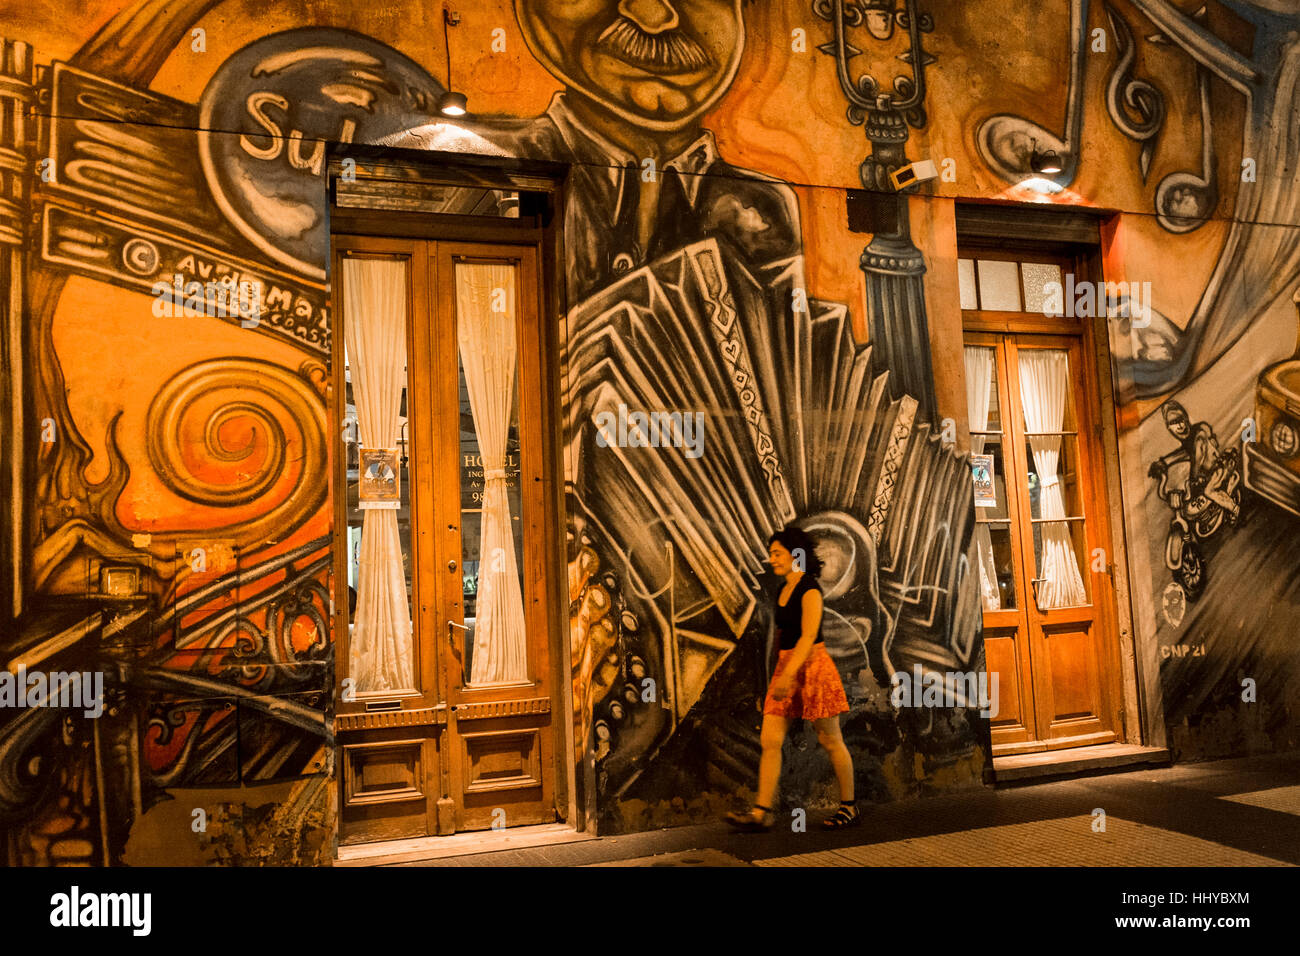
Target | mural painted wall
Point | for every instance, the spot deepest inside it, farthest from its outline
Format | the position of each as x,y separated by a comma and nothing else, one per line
167,519
1205,450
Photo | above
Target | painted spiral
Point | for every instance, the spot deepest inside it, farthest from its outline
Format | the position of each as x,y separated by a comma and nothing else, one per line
221,432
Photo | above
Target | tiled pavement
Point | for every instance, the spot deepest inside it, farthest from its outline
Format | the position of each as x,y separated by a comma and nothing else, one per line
1241,812
1067,841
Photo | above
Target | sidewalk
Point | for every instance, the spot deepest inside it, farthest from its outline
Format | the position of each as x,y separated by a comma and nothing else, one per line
1240,812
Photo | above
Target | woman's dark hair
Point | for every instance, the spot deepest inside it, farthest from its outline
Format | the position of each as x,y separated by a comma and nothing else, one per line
795,539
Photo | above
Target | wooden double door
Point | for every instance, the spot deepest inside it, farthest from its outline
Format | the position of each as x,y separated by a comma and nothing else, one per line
445,668
1042,544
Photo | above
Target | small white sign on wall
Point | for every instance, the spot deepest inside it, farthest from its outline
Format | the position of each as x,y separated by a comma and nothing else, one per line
981,470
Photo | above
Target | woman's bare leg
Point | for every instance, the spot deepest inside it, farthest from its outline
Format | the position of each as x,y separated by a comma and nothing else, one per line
828,735
770,738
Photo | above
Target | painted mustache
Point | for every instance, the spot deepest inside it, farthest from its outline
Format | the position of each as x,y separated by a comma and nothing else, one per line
672,50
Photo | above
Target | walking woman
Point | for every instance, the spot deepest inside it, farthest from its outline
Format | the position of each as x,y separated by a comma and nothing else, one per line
805,685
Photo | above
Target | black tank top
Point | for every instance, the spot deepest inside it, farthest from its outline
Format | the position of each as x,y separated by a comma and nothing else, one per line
789,617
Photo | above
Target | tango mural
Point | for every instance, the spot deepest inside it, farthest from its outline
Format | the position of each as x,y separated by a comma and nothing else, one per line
672,249
167,515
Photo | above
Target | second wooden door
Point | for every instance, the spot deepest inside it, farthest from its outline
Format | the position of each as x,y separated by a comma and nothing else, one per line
1042,546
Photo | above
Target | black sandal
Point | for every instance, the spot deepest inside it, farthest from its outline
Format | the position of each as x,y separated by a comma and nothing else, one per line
846,816
746,823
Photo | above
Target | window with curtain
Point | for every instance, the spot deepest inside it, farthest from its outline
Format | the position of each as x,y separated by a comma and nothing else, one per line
994,556
491,527
1044,393
381,643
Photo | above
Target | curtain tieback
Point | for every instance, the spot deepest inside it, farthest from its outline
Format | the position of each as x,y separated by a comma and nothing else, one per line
494,474
1048,481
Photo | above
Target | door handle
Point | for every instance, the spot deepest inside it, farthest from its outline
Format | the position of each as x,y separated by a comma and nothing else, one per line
451,635
1033,583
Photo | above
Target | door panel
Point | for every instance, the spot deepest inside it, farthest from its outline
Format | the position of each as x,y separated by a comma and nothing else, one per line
1003,584
1046,619
388,706
387,787
1058,503
500,775
1075,688
1002,654
497,673
1075,703
470,746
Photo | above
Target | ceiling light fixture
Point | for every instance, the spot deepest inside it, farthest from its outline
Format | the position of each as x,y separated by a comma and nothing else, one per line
1045,162
450,103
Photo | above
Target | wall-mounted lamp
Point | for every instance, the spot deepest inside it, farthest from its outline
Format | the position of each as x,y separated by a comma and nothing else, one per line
1044,162
450,103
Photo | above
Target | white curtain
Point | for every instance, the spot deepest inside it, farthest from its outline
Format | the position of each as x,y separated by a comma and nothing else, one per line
1044,378
979,380
374,323
485,332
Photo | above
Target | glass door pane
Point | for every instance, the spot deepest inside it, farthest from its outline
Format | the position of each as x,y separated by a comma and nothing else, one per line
1056,504
381,643
490,467
994,554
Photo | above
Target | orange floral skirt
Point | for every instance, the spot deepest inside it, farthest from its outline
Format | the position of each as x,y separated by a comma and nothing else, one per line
817,691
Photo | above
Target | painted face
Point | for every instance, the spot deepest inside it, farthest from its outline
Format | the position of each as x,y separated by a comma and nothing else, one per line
1179,427
780,558
658,63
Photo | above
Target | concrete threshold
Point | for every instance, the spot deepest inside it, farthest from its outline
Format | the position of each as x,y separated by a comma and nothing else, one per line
459,844
1076,761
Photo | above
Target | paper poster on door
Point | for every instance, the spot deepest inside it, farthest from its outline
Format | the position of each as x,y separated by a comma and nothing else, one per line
981,469
379,485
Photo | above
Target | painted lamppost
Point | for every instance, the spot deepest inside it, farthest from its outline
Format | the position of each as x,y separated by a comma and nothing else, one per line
892,263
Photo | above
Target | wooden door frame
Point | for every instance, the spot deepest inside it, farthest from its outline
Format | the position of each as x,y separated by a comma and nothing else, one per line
1122,686
540,228
377,731
1092,495
1009,617
541,525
